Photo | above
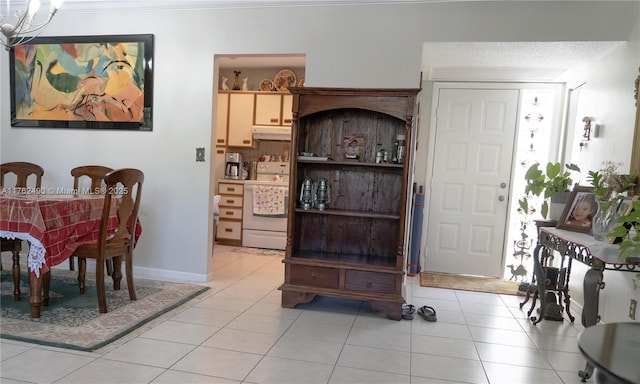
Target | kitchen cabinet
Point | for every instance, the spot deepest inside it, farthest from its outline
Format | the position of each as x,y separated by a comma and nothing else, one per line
229,230
273,109
220,163
355,247
240,119
287,113
222,119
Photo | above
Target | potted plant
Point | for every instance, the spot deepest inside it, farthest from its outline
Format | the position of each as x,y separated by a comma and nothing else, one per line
552,185
628,229
608,186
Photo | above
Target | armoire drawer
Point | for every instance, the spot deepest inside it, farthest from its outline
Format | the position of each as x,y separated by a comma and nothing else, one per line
314,276
369,281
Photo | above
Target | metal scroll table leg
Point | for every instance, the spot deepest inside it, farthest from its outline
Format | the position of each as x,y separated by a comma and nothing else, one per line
591,285
540,281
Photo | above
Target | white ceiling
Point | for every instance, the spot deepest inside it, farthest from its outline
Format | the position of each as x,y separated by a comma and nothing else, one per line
509,61
495,61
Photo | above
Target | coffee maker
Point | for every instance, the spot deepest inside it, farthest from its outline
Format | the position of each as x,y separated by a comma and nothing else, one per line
233,167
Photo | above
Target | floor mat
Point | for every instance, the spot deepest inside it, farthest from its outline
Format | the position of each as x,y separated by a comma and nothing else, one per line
468,283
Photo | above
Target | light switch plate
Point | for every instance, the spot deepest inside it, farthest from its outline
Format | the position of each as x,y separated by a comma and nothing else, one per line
199,154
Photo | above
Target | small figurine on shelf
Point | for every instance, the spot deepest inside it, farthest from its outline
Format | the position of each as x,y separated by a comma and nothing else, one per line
236,81
244,84
225,87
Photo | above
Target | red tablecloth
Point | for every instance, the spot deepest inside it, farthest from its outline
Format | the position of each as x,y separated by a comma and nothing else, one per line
54,225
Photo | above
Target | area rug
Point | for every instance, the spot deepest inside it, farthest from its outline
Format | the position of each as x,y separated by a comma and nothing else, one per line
468,283
72,320
257,251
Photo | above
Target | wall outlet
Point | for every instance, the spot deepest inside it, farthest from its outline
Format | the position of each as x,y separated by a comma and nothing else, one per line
632,309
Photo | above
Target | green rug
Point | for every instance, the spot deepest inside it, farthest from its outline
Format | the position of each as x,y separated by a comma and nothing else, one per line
72,320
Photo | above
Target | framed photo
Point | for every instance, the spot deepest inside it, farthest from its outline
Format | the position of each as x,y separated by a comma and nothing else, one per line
354,146
87,82
579,210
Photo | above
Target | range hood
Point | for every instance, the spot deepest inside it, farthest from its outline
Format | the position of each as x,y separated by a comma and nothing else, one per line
271,133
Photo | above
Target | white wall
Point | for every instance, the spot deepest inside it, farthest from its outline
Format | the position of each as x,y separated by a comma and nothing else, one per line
607,96
346,46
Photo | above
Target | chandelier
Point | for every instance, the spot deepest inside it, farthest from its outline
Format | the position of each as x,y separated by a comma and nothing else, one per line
17,25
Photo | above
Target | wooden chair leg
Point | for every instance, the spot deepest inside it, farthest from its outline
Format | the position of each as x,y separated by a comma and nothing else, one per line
109,265
102,297
71,264
46,284
117,272
129,270
82,270
17,295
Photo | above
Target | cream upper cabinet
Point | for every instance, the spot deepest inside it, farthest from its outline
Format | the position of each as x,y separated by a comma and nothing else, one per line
222,118
268,109
287,105
273,109
240,119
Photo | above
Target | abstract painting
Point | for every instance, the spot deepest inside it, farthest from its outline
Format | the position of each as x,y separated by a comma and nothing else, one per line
90,82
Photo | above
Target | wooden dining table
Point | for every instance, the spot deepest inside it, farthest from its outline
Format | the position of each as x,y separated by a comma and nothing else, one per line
54,224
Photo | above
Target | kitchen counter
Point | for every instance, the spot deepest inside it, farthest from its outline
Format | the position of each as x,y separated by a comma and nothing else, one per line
232,181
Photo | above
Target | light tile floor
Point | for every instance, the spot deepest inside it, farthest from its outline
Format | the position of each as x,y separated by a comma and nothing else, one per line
238,333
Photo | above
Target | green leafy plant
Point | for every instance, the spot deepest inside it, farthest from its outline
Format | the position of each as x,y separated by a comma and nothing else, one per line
628,229
553,179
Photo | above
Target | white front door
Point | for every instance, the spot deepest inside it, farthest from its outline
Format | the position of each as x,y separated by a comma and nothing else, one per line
469,199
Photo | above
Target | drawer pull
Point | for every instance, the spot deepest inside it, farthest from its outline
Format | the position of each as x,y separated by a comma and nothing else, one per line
313,276
246,141
229,213
275,120
369,285
231,189
228,230
287,121
229,201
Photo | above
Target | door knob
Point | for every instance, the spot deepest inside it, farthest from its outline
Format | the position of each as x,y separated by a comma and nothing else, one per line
501,198
503,185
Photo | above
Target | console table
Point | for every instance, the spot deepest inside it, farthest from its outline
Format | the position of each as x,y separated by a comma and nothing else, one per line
583,247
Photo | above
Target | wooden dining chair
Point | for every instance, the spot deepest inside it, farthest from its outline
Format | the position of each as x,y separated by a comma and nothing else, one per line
125,184
96,174
23,172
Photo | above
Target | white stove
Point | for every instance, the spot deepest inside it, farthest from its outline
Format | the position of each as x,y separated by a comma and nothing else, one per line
274,171
260,230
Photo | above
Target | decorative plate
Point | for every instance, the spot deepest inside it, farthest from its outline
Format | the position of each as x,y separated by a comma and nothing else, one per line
284,79
266,84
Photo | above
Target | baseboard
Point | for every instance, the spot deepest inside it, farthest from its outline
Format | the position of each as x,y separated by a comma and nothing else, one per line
152,273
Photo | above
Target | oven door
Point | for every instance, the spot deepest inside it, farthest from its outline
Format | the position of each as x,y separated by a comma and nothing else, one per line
273,223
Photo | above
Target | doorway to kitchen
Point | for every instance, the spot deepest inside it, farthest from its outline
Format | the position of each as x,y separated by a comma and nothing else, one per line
250,91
